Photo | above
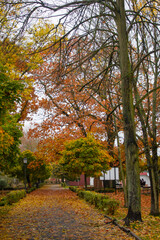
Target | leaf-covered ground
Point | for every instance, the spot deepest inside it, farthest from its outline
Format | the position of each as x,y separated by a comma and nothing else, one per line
55,213
149,229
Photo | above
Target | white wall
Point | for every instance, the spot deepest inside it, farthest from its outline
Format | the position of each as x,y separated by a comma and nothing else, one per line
91,181
111,174
146,179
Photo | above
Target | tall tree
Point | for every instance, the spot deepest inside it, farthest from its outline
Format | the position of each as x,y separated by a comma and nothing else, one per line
146,92
85,156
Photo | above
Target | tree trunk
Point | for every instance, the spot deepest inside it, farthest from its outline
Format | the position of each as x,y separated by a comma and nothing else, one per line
28,181
152,162
155,182
62,179
131,148
155,198
121,167
85,181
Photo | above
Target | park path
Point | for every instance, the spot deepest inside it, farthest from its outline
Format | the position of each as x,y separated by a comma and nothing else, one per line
52,212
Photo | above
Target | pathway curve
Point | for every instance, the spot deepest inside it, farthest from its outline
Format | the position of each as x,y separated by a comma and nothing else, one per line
52,212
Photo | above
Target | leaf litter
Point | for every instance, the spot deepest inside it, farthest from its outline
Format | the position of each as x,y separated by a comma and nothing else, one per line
53,213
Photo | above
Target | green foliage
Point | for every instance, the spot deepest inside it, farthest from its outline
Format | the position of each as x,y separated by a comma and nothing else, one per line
89,197
19,170
60,173
10,130
106,190
110,206
36,169
9,143
85,155
9,91
3,184
63,184
31,189
13,197
102,202
93,198
73,188
99,200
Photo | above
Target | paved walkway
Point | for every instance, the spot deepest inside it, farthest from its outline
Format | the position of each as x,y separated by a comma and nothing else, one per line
55,213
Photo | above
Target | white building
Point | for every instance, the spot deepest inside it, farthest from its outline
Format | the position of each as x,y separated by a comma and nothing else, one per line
112,174
145,177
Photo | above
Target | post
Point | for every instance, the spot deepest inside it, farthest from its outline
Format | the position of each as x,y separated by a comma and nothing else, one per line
115,178
25,177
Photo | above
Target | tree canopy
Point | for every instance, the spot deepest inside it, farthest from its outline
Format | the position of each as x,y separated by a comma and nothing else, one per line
85,156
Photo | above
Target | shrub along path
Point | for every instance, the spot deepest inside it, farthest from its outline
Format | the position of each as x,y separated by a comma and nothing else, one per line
55,213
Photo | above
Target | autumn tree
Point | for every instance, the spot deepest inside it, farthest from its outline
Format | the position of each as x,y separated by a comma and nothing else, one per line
28,143
49,149
15,86
36,169
87,156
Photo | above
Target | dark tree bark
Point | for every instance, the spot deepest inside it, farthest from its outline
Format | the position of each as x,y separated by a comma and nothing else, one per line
131,148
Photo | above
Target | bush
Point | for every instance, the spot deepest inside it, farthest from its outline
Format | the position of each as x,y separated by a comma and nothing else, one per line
73,188
110,206
89,196
93,198
100,201
41,185
3,201
13,197
90,188
63,184
106,190
3,184
80,193
31,189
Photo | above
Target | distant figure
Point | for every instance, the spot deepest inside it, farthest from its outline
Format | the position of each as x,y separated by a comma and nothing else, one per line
142,182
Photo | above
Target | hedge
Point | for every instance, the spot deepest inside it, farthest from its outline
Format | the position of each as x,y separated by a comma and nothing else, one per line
12,197
106,190
3,184
63,184
31,189
101,201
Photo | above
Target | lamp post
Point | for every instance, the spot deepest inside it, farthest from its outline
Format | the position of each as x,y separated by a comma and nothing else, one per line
25,166
115,177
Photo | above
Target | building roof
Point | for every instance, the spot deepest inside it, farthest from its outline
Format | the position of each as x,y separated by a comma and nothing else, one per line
144,174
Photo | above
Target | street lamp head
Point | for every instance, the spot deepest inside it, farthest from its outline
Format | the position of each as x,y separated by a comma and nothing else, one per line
25,160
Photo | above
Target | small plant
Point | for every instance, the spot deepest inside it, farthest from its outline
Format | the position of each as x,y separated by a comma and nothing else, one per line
89,197
31,189
12,197
110,206
63,184
73,188
3,184
106,190
100,201
3,201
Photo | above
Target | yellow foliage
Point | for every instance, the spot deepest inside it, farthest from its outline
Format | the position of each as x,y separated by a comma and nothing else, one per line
5,140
